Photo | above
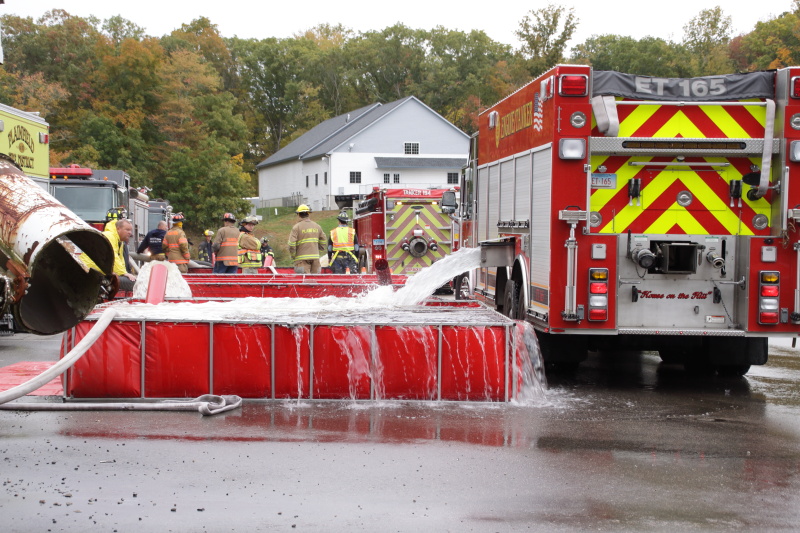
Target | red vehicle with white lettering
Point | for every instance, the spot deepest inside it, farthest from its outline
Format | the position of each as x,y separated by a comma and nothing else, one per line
617,211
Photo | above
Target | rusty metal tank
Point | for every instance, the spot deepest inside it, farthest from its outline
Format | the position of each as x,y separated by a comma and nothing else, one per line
43,283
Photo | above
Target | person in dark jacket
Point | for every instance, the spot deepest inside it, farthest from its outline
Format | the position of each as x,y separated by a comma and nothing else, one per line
205,250
152,242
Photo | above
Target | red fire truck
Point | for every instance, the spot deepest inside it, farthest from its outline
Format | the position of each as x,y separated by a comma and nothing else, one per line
410,228
620,211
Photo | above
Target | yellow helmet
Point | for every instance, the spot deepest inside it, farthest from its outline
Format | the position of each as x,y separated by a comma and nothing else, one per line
208,233
303,208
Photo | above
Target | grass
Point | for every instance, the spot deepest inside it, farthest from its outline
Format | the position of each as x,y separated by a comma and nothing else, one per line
277,228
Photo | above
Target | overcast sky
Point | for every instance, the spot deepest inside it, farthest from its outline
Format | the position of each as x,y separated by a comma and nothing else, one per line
285,18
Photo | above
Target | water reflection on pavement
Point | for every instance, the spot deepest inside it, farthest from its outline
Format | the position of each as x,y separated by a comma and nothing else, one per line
627,443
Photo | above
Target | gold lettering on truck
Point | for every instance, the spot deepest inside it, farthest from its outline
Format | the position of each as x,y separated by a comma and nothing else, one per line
511,123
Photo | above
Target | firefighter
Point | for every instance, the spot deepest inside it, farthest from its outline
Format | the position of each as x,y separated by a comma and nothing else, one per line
307,243
114,215
226,246
343,247
176,244
153,242
205,251
266,252
118,233
249,247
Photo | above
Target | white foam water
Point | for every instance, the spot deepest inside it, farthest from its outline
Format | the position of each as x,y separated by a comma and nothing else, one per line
426,281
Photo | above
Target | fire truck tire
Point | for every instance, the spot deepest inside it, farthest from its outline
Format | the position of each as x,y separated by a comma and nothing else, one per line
461,287
733,371
511,300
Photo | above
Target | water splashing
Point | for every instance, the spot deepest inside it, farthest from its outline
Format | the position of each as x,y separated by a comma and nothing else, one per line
426,281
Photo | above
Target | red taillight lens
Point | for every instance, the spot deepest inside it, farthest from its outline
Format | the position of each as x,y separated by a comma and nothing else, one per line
598,288
796,87
598,314
768,318
770,290
573,85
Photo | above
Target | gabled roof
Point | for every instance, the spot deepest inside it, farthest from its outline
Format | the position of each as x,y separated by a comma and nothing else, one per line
315,136
328,135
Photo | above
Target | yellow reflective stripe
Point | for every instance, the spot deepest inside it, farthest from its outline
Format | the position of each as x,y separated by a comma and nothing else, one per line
636,119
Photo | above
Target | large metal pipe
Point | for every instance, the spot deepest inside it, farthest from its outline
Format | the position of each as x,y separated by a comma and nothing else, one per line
383,272
44,284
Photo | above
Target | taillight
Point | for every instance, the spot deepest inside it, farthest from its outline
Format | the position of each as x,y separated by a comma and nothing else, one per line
795,86
769,291
598,294
573,85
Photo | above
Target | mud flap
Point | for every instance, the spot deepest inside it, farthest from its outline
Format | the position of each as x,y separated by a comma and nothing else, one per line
726,351
563,348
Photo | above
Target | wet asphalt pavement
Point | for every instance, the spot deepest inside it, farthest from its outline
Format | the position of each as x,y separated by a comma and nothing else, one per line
625,444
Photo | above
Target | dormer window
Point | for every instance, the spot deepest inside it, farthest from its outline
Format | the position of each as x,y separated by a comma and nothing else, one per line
411,149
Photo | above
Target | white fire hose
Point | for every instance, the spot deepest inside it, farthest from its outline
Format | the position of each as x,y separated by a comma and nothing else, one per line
207,404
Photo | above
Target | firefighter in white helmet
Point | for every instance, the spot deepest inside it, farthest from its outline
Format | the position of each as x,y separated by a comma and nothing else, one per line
343,247
226,246
307,243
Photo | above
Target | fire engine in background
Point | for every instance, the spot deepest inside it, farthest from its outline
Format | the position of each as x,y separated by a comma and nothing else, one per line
619,211
26,141
90,194
410,228
158,210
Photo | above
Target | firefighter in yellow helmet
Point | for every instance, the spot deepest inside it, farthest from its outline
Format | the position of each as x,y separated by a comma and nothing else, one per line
176,245
205,251
249,246
307,243
343,247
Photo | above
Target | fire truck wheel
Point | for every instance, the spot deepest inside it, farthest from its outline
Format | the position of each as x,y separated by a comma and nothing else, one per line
733,371
511,300
461,287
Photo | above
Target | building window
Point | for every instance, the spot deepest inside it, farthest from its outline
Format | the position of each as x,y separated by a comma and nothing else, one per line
411,149
316,180
386,178
326,178
306,181
397,178
452,178
355,177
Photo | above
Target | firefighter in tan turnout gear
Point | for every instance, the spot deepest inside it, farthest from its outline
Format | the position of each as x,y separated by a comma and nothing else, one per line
176,244
249,247
226,246
306,243
343,247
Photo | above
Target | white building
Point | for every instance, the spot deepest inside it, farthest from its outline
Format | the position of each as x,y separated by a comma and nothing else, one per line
400,144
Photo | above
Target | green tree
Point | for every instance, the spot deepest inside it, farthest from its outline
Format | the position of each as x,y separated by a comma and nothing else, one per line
204,184
544,34
649,56
386,64
706,37
772,44
455,71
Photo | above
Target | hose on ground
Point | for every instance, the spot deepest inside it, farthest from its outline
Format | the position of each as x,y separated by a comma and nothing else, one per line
208,404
